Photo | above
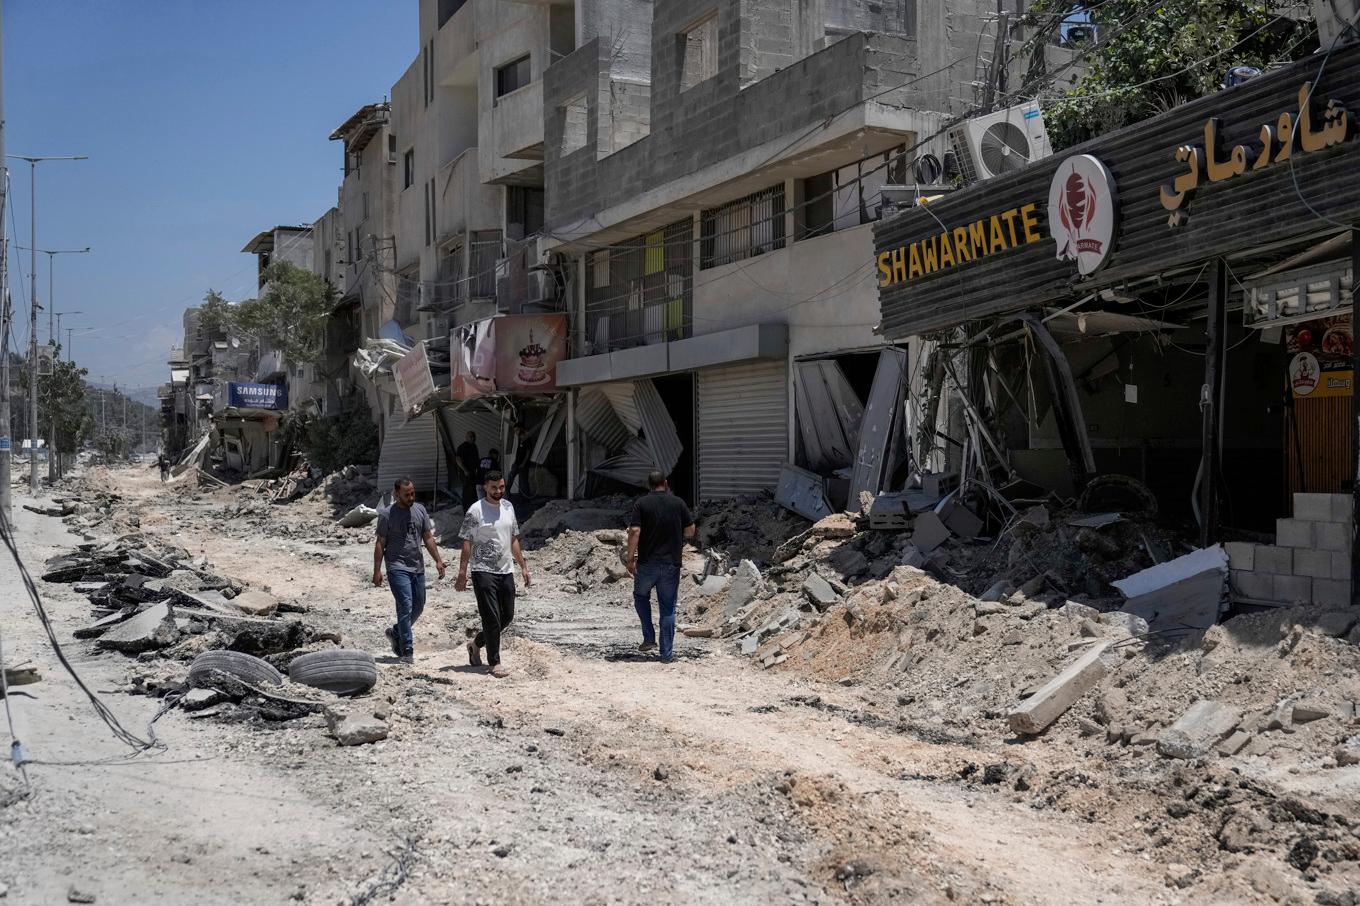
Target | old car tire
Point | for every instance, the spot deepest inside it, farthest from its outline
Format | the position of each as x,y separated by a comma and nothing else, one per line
245,667
342,671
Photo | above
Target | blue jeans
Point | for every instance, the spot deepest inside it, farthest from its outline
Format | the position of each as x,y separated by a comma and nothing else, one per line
408,589
665,578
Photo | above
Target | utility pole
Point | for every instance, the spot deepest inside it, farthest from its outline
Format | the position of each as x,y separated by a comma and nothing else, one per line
33,162
6,442
68,331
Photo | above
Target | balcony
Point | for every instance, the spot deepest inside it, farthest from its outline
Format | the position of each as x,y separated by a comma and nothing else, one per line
455,45
465,205
517,123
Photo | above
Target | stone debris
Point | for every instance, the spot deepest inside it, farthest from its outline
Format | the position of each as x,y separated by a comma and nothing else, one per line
153,628
358,517
354,729
1058,694
1198,730
819,592
256,603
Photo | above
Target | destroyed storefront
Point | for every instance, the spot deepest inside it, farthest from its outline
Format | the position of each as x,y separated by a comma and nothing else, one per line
246,424
491,383
1155,322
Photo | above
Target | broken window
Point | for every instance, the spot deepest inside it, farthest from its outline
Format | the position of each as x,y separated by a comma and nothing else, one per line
574,130
699,52
740,229
640,291
513,76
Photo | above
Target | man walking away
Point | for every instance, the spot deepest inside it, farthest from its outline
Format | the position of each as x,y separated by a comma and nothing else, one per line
657,529
467,457
402,528
163,462
490,534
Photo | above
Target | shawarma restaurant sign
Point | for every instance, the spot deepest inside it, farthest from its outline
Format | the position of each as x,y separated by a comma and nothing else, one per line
1082,208
1299,132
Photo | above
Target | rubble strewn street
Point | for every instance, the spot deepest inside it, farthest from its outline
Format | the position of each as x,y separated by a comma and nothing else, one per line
836,728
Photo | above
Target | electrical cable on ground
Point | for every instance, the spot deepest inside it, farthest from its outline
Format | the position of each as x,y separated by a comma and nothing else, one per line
120,732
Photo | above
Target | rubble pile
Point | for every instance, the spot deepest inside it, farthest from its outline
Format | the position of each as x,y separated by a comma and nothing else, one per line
211,641
751,527
346,489
586,560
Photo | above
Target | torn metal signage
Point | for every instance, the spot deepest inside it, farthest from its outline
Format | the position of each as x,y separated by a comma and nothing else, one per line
803,492
629,419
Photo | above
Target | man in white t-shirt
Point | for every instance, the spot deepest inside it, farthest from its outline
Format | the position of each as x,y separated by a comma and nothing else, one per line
490,534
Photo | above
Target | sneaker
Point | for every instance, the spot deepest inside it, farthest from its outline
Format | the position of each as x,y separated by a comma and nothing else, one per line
391,633
647,647
408,657
474,656
668,660
499,672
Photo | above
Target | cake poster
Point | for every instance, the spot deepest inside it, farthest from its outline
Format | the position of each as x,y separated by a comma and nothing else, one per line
527,350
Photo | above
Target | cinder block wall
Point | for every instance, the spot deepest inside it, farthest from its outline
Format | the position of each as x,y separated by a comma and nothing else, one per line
1310,561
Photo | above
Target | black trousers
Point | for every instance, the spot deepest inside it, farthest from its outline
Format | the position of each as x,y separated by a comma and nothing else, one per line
469,492
496,604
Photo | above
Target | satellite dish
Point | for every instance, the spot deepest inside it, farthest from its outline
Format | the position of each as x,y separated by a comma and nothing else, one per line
928,170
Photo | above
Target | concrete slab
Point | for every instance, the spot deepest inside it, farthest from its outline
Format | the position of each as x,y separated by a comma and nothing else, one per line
256,603
1058,694
1198,730
819,592
151,629
929,532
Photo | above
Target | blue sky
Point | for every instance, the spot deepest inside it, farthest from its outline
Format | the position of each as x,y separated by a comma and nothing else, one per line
205,122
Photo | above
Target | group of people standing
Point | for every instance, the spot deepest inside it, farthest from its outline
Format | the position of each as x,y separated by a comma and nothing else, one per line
657,528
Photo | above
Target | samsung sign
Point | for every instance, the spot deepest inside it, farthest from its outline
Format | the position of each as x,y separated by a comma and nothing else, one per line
257,396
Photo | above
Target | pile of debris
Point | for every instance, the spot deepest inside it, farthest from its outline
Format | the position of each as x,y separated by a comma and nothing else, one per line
345,489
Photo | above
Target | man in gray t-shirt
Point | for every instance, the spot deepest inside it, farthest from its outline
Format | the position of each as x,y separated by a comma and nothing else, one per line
403,528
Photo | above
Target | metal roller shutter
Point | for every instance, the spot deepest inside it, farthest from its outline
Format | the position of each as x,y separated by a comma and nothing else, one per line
743,428
409,450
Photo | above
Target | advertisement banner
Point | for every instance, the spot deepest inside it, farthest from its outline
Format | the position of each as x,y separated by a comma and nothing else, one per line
1320,357
414,383
528,348
510,353
257,396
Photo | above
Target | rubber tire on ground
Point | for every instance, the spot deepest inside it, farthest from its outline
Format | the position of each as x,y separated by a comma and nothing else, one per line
245,667
342,671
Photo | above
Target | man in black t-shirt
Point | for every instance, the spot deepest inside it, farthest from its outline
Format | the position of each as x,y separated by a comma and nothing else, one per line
467,456
657,529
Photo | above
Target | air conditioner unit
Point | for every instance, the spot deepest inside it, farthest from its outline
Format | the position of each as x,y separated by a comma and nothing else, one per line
995,144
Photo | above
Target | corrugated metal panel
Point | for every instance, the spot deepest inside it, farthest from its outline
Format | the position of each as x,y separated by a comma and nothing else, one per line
620,394
1326,440
881,429
410,449
657,426
829,415
595,414
743,428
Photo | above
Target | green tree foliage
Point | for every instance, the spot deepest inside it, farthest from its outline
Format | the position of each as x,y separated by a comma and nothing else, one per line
291,315
216,315
1151,57
112,445
61,401
349,438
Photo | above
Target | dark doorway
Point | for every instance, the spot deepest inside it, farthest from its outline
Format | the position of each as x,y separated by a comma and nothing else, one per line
677,392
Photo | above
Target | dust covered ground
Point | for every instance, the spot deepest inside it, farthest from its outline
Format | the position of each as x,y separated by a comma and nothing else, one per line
871,761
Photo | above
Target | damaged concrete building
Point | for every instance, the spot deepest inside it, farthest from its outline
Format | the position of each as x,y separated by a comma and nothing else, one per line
1156,321
713,171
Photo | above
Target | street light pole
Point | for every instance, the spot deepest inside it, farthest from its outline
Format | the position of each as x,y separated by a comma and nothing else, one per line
53,337
68,332
33,162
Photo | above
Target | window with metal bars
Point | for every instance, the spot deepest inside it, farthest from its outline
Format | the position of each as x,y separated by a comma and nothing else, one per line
641,291
740,229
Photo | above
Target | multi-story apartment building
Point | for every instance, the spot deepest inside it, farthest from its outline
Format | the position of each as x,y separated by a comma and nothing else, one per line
712,169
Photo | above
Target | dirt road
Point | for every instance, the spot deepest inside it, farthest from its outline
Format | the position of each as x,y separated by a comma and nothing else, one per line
591,775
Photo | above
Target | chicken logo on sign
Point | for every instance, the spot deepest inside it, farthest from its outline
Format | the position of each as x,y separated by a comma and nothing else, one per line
1081,212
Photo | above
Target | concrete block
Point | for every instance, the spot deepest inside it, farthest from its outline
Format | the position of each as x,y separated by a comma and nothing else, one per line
1235,743
1241,555
1333,592
1058,694
1341,565
928,532
743,588
1293,533
1274,561
1198,730
256,603
1313,507
1313,563
1127,623
819,592
1343,508
1293,589
1257,586
1332,536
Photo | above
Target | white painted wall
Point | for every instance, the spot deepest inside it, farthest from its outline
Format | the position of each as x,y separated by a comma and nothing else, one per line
823,288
